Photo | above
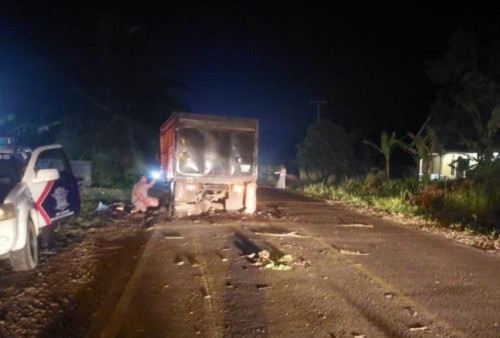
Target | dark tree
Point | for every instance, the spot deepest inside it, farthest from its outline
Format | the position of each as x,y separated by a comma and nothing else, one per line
327,150
467,106
107,70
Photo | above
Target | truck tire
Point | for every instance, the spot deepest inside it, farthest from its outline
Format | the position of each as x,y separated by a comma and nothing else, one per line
27,257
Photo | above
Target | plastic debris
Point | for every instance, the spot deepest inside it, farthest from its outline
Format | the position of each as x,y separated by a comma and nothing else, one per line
102,207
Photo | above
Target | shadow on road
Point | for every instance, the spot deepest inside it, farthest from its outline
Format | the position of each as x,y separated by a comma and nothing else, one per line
244,299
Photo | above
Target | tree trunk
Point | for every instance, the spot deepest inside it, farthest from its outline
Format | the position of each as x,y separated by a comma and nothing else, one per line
425,170
387,168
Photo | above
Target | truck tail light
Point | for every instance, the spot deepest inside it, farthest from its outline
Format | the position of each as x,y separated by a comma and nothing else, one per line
238,188
191,187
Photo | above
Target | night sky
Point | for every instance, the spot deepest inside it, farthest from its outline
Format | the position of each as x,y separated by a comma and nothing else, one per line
257,59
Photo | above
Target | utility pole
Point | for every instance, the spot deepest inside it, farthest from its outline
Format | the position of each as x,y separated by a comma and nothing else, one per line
318,103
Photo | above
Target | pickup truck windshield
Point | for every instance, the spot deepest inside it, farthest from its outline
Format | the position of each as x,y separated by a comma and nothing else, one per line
215,152
10,169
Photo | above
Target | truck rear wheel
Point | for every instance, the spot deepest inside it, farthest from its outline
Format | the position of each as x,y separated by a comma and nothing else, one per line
27,257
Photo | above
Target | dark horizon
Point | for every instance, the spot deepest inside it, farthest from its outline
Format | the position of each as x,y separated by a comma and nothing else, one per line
251,59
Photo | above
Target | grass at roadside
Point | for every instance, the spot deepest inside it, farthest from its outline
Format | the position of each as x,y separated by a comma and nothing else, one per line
393,196
410,203
466,206
91,196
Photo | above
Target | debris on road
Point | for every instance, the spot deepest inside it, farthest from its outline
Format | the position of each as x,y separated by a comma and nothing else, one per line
262,286
101,207
354,253
293,234
356,225
173,235
178,260
418,327
221,255
118,206
410,311
263,259
357,335
193,260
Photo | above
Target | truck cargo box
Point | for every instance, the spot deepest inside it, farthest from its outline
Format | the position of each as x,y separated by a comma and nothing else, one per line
211,162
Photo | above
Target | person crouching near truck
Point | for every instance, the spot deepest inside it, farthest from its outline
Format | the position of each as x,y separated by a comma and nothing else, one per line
140,198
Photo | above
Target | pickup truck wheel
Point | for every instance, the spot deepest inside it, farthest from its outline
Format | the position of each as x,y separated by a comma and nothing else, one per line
27,257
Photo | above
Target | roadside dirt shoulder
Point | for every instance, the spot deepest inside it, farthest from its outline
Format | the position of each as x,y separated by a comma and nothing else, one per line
490,243
59,297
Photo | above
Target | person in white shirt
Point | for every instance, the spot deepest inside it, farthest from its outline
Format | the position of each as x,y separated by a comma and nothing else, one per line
281,183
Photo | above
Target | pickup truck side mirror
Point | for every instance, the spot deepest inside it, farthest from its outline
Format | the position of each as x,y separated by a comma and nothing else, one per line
45,175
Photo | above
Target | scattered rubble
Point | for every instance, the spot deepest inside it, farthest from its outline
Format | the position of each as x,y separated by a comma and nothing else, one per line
264,260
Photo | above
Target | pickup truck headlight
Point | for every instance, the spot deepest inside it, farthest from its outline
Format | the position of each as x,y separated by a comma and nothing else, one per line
7,211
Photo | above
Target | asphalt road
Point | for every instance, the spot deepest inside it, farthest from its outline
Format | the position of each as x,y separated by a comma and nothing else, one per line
351,276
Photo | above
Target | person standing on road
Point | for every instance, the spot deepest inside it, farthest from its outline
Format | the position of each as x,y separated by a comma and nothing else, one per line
140,198
282,178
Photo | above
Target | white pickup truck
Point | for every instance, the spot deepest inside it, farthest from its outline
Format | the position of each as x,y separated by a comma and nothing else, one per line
37,189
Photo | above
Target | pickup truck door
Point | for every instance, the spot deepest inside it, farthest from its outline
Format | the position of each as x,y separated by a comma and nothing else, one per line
54,199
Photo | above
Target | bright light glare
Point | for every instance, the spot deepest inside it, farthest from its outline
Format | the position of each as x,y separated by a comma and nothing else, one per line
155,174
208,166
238,188
190,164
191,187
245,168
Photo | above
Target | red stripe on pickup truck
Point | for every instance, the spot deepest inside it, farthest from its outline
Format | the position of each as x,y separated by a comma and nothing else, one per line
40,200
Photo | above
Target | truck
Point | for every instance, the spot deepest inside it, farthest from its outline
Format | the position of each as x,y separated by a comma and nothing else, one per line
209,163
37,191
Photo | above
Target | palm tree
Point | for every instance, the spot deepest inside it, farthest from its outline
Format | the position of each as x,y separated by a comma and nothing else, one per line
387,145
423,147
